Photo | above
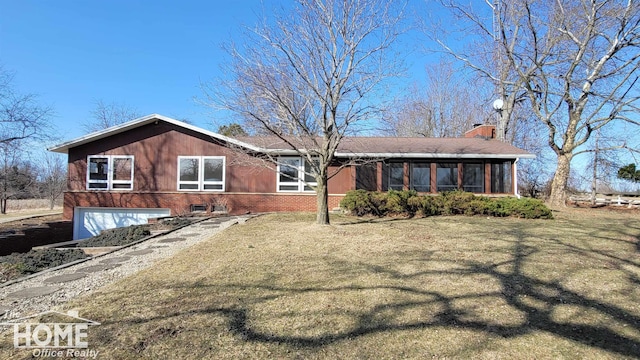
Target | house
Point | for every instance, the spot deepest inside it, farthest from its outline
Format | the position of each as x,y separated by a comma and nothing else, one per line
156,166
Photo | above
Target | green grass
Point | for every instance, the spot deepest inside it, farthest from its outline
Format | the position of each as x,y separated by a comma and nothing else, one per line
440,287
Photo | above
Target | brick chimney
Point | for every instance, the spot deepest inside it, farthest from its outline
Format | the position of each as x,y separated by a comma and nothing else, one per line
484,131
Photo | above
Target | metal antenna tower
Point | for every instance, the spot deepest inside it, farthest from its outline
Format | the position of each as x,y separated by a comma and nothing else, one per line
496,27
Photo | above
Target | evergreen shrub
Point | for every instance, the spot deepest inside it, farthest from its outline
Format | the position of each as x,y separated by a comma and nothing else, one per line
410,203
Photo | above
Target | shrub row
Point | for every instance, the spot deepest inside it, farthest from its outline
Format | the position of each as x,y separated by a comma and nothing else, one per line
362,202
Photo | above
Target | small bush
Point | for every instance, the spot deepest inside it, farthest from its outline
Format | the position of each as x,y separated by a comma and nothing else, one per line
523,208
358,202
176,222
456,202
361,202
426,205
397,202
479,206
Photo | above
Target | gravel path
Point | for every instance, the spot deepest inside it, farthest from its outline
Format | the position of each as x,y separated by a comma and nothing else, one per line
60,286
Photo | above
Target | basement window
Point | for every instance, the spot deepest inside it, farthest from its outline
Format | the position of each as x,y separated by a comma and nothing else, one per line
110,172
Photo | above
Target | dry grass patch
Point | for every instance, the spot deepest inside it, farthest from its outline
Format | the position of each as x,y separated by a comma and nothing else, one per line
22,205
443,287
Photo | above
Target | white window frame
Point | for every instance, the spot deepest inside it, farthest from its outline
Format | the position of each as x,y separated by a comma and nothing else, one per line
201,183
299,183
110,181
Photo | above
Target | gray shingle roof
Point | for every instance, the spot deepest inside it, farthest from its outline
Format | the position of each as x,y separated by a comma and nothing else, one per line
404,147
383,147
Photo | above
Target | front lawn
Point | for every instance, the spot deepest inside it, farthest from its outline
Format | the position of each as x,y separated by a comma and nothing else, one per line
438,287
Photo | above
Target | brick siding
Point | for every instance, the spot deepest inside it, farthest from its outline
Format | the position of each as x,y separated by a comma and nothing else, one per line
180,202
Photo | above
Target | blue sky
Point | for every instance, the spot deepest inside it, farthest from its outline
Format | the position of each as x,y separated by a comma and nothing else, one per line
150,55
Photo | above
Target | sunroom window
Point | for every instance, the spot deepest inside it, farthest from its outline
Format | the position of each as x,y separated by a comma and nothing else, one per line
295,174
473,177
110,172
447,176
421,177
201,173
396,176
501,177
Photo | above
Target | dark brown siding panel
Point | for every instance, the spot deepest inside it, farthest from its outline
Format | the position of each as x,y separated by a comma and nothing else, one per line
341,182
434,178
245,174
487,177
156,149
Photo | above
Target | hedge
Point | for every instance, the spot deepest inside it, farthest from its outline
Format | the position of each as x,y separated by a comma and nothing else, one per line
409,203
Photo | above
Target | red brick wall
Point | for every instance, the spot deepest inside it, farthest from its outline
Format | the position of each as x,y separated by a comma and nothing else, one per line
180,203
484,131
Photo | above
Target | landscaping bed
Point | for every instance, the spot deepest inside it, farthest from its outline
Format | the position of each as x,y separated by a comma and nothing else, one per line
16,265
21,264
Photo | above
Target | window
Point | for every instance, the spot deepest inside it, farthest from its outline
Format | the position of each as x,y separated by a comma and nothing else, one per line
473,177
421,177
295,174
201,173
110,172
501,177
213,173
396,176
447,176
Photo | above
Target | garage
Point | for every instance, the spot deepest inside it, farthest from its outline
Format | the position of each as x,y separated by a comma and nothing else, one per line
88,222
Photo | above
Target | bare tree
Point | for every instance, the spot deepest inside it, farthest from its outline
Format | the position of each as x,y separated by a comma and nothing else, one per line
17,176
21,116
482,52
106,115
53,177
446,107
309,77
577,64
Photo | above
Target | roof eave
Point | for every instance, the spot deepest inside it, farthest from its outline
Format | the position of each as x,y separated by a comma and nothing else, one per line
114,130
434,155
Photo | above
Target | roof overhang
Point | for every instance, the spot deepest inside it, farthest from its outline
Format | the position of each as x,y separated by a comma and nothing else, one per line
149,119
433,156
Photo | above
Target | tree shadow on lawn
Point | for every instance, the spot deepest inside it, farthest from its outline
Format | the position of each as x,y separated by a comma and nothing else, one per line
538,301
515,288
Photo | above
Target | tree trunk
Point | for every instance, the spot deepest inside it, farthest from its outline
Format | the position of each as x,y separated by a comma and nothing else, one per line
322,193
558,195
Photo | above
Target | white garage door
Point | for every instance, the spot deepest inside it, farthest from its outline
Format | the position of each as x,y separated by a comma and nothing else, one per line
88,222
